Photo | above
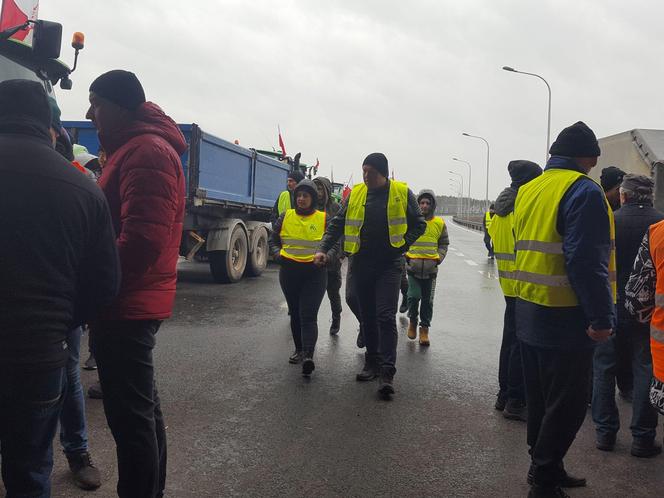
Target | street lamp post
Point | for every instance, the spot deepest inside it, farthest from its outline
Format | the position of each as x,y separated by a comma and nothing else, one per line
469,178
548,119
486,196
456,189
460,176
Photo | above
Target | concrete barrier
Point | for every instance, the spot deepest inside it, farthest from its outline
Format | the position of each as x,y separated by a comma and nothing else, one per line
473,225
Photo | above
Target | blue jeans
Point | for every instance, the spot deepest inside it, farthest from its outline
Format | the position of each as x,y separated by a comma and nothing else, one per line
30,404
604,409
73,430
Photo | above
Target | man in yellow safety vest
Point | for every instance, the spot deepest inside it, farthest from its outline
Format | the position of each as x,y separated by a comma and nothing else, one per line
286,201
422,261
511,398
565,289
380,220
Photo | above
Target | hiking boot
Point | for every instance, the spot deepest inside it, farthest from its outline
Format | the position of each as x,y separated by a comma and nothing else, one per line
308,365
95,392
605,442
370,370
516,409
360,339
412,330
424,336
542,492
645,449
501,402
295,358
90,363
336,324
386,388
86,476
404,304
564,481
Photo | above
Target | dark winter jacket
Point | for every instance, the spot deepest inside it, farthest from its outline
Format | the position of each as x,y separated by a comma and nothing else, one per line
58,260
375,244
144,184
427,268
632,222
331,208
583,222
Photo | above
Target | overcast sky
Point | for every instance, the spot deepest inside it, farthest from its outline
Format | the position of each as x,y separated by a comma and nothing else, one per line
348,77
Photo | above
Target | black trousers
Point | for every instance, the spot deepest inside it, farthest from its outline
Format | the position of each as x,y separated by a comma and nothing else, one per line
123,349
624,375
333,289
556,383
376,285
303,285
510,369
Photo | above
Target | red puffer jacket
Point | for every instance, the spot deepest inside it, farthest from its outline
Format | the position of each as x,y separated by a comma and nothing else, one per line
144,185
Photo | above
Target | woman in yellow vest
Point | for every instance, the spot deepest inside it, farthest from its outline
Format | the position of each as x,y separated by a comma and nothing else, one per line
511,399
295,239
379,221
422,260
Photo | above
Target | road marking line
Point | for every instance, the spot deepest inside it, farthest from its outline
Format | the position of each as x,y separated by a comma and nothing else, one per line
461,254
471,263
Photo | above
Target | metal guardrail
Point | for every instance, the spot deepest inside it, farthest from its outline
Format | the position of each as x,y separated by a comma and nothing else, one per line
473,225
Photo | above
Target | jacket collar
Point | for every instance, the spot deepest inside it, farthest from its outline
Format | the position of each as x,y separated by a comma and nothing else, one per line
562,162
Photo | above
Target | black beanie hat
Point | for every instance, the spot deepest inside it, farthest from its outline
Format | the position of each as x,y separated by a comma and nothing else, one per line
296,175
611,177
25,99
522,171
576,141
378,161
120,87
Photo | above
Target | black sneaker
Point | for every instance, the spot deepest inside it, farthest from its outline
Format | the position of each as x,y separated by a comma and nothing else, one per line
386,387
86,476
501,402
95,392
370,370
336,324
90,363
295,358
642,449
541,492
516,410
565,481
308,366
606,442
360,339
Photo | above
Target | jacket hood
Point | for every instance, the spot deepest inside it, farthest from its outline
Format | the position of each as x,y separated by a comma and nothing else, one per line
310,187
432,196
150,119
327,187
504,204
522,171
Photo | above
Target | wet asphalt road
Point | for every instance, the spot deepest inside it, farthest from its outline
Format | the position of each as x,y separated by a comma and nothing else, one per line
243,422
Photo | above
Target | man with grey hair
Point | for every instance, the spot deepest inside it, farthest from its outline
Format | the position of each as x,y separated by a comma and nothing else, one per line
632,221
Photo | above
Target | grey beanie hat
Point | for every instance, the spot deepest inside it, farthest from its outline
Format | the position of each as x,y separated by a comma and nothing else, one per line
638,188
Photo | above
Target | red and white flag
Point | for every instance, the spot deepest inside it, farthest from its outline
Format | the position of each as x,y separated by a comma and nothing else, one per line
17,12
281,143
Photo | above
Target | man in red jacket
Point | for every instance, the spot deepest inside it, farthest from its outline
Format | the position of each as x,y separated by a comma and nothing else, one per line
144,185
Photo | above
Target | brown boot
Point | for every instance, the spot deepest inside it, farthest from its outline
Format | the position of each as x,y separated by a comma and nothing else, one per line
412,330
424,336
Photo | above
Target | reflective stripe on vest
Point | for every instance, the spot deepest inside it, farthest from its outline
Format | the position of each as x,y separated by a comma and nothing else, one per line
301,235
284,203
397,205
657,323
426,247
487,220
502,235
541,275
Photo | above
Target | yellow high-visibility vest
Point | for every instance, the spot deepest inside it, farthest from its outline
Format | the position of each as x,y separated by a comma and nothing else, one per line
284,203
426,247
397,206
487,220
301,235
502,236
541,276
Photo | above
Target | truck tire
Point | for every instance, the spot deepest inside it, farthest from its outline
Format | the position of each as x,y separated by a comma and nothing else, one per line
258,257
227,267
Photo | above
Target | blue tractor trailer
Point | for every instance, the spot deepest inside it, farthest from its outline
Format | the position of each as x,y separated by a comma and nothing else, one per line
230,193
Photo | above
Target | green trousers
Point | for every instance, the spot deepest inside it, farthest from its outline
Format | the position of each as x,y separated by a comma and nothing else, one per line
420,299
